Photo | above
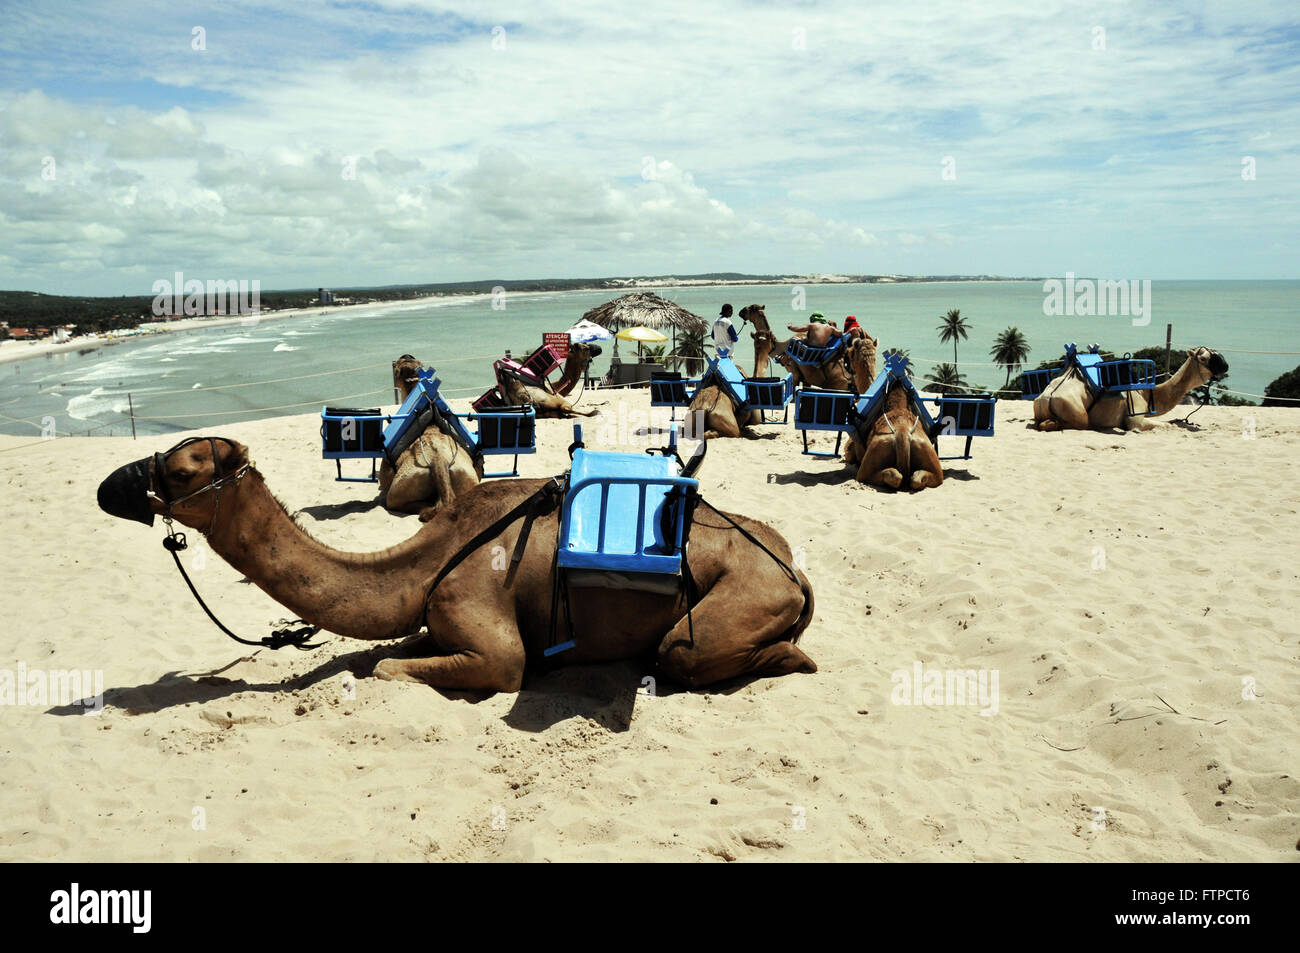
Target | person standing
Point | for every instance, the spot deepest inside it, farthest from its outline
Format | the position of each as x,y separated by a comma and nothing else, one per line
724,333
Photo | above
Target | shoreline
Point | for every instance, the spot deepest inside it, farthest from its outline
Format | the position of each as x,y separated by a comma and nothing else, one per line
11,351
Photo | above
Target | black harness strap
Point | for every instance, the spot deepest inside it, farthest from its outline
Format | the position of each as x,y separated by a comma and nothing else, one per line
543,501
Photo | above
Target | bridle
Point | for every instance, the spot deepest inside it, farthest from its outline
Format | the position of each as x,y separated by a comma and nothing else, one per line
175,542
219,480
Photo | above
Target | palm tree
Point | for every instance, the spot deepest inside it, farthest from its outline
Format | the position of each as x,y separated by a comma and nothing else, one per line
1010,348
947,378
954,328
903,353
688,355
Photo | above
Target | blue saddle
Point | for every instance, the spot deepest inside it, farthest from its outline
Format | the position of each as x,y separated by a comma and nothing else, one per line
614,515
801,353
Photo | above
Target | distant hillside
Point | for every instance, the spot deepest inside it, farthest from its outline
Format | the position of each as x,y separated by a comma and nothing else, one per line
33,309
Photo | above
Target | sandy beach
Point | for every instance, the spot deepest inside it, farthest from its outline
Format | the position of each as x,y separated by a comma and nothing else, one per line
1132,597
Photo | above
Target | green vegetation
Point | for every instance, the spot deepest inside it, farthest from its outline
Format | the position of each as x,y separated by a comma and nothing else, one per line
1284,391
953,328
1010,348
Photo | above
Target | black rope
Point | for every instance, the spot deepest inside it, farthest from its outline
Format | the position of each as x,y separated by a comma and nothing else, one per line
175,542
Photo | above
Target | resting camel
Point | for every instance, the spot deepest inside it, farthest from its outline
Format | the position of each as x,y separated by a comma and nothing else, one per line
575,365
488,626
433,469
546,402
861,355
898,454
711,412
833,375
1066,405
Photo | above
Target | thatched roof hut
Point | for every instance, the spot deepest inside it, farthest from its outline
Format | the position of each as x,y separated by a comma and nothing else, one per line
647,309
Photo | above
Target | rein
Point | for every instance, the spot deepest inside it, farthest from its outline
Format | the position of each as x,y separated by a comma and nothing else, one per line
174,543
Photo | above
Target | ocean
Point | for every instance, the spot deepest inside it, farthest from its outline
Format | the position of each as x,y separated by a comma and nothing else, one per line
184,381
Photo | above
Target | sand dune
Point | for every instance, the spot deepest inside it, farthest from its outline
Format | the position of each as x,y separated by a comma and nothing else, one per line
1130,592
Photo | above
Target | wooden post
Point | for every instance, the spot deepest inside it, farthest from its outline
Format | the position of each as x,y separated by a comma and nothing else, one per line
1169,334
131,406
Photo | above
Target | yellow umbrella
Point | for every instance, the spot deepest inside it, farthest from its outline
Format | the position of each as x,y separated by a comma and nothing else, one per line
642,335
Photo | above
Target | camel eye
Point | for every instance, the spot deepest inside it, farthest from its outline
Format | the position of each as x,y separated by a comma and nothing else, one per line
182,474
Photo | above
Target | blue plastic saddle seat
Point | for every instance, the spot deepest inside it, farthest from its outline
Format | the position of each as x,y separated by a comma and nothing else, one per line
967,415
668,389
768,393
614,514
1033,383
823,409
801,353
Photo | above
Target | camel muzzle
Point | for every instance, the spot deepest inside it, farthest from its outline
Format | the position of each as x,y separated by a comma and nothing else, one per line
125,493
595,350
1218,365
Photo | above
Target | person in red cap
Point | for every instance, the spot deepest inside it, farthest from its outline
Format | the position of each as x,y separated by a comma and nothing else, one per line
852,328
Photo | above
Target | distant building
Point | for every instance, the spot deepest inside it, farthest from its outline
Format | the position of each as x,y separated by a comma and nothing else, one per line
325,296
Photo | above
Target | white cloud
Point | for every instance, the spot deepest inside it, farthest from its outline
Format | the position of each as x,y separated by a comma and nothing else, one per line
472,162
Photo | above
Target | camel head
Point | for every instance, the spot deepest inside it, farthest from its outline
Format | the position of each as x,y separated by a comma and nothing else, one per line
862,360
405,373
176,481
584,353
755,315
1209,364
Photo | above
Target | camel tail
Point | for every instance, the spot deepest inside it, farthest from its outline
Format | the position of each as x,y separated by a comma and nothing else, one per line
903,451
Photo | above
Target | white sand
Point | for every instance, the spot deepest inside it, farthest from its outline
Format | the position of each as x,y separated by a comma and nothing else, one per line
994,570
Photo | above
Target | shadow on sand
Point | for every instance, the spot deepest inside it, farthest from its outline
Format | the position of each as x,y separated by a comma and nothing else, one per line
604,693
334,511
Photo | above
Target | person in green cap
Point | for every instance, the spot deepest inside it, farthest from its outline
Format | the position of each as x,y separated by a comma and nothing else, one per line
818,332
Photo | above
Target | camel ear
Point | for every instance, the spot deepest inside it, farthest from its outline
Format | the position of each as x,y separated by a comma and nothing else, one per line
233,455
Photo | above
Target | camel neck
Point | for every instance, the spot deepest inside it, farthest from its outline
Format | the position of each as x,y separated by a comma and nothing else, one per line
1166,396
360,595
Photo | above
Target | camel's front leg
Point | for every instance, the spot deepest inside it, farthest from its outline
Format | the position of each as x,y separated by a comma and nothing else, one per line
485,651
876,466
927,470
853,452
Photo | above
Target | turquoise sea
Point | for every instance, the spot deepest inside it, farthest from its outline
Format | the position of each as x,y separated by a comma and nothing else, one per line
181,381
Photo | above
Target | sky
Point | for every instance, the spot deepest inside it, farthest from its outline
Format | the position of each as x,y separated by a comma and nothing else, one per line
345,144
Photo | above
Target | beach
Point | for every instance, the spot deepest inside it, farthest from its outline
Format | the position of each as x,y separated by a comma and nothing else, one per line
1126,603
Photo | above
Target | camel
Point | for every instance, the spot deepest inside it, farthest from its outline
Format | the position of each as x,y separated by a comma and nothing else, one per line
1065,403
575,365
833,375
488,626
897,455
433,469
545,401
861,355
894,438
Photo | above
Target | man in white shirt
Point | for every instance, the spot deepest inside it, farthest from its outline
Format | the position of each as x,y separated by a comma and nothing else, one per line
724,333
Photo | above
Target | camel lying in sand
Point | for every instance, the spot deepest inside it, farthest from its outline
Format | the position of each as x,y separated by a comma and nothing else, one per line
488,626
713,414
545,401
433,470
898,453
1065,404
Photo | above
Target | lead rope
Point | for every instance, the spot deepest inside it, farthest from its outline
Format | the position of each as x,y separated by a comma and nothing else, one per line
174,542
